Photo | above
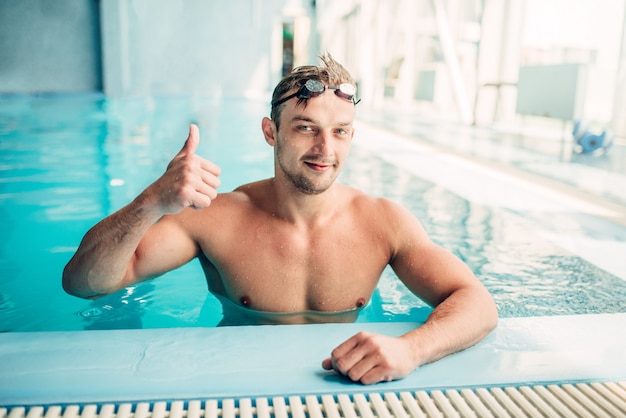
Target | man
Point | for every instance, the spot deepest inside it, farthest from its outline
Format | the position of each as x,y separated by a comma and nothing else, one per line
297,247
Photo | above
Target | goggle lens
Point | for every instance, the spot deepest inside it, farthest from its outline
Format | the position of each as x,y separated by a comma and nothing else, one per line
313,88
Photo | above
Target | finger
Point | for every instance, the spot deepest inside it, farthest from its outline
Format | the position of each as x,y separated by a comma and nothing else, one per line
346,356
368,366
206,190
210,180
327,364
191,144
200,200
377,375
347,346
210,167
208,172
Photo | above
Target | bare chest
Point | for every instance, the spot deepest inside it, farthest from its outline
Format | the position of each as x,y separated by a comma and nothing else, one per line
285,270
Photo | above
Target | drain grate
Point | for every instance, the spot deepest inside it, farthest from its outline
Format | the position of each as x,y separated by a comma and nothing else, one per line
566,400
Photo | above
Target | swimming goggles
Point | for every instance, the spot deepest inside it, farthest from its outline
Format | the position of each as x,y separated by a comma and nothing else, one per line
313,88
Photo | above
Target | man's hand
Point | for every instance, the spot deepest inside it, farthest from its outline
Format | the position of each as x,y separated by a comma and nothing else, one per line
189,181
372,358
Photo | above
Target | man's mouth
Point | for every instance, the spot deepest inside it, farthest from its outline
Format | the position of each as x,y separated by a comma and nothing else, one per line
317,166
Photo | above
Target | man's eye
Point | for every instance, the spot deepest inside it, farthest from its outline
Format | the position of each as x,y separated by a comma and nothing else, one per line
304,128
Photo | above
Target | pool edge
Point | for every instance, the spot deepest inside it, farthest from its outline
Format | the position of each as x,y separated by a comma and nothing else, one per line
197,363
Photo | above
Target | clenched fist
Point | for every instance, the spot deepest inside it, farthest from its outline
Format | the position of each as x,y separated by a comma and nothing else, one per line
189,181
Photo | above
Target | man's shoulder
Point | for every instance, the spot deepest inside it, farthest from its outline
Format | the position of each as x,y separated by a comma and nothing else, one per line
383,211
364,200
251,189
245,196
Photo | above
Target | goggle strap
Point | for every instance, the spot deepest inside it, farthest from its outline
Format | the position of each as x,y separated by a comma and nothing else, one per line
284,99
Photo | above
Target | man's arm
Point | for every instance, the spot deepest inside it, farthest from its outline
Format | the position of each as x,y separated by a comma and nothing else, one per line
128,246
464,312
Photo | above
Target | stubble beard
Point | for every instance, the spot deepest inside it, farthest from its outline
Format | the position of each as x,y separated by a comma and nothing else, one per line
301,181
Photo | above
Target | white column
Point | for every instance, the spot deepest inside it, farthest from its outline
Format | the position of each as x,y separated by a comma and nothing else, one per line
406,82
448,46
618,124
498,59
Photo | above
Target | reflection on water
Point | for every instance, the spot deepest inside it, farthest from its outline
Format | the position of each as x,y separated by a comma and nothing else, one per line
122,310
527,274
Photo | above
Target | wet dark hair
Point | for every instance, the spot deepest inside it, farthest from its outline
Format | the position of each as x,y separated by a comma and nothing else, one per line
329,73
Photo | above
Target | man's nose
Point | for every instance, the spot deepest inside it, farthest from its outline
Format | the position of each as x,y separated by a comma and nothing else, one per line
323,142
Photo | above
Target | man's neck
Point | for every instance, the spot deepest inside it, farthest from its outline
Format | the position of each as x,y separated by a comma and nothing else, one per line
303,208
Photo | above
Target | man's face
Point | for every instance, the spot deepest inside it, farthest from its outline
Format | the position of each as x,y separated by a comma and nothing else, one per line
313,141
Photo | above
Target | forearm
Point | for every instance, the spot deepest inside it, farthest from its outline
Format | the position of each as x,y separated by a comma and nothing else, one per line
110,255
460,321
104,256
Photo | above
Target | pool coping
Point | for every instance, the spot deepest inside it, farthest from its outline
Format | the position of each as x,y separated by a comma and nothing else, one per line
44,368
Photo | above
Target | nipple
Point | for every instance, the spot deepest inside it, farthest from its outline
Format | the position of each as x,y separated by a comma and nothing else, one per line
245,301
360,302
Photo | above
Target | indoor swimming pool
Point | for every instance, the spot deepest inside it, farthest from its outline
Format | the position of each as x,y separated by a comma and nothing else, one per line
68,161
554,265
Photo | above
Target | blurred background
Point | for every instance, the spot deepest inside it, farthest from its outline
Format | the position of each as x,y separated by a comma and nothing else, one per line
479,62
538,85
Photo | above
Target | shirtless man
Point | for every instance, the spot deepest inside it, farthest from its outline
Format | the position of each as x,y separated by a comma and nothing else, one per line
298,245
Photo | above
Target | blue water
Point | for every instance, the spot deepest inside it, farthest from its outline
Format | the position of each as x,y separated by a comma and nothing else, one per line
68,161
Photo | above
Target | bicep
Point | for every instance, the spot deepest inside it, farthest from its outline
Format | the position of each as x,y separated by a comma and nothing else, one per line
165,246
430,271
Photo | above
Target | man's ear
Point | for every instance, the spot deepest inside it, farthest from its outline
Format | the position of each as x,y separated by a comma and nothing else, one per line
269,130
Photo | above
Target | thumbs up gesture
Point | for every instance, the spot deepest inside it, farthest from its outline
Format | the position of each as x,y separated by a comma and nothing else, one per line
189,181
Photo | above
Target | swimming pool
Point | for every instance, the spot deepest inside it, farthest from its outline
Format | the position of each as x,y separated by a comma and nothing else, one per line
68,161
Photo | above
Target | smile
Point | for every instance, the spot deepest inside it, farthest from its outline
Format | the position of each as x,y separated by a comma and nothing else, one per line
318,166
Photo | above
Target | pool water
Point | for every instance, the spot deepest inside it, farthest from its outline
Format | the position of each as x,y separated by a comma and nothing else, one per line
68,161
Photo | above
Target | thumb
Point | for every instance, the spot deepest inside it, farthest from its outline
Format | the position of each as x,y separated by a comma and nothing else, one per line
327,364
191,144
